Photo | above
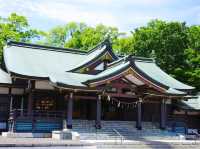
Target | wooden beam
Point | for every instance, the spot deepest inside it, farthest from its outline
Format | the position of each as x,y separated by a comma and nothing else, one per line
121,95
82,97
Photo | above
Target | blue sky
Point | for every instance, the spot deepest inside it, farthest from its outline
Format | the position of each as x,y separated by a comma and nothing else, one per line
124,14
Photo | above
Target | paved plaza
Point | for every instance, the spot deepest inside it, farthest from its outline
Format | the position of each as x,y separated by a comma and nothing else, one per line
44,143
57,147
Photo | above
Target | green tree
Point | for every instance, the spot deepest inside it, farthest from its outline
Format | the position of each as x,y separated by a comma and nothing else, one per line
192,70
81,36
91,36
192,54
15,27
124,45
59,35
194,37
165,40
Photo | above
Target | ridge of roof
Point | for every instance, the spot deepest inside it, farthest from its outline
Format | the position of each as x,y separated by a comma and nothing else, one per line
96,53
130,58
109,72
148,69
99,45
138,58
117,62
44,47
147,63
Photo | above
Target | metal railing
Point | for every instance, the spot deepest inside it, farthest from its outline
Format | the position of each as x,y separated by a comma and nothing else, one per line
119,135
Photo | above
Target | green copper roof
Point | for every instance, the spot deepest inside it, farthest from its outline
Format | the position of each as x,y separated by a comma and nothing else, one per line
95,54
148,69
154,72
69,79
190,104
28,60
37,62
174,91
5,77
90,58
110,72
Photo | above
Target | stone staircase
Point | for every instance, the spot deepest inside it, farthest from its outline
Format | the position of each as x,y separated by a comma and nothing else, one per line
121,130
150,145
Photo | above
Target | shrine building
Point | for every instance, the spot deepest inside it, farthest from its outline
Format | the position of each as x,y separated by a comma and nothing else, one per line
45,88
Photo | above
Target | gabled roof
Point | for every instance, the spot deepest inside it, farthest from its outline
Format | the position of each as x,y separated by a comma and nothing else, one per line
69,80
190,104
153,71
95,54
146,70
39,61
58,65
28,60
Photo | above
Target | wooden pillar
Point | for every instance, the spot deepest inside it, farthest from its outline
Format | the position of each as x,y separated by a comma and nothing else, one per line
98,112
11,100
163,114
139,115
30,103
70,111
11,112
31,84
22,106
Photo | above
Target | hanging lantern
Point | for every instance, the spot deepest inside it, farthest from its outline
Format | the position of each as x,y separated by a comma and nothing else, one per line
118,104
108,98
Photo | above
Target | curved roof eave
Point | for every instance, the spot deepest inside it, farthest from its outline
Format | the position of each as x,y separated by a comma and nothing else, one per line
108,73
118,71
172,91
96,56
128,63
17,75
72,87
156,75
5,78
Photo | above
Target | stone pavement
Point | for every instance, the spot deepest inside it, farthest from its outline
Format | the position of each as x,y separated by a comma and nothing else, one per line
55,147
40,142
47,143
149,144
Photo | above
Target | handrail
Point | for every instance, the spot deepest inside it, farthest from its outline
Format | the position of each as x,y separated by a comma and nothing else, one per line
35,113
121,136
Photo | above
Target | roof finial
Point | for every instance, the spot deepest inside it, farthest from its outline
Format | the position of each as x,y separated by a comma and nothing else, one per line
107,41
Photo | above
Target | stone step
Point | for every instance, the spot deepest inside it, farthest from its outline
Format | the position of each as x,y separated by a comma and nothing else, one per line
125,128
140,146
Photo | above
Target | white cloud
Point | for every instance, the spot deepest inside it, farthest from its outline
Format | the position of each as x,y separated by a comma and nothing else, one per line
68,12
126,14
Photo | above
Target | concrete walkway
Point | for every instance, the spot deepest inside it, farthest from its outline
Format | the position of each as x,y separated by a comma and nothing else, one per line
41,142
26,143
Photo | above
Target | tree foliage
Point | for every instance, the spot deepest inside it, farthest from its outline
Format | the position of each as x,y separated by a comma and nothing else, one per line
59,35
79,35
15,27
175,47
91,36
165,40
